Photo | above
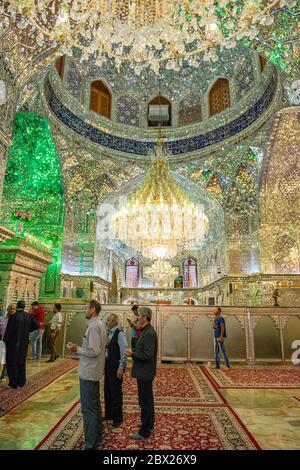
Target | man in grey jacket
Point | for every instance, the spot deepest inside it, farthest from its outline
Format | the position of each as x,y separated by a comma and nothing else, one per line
144,370
91,369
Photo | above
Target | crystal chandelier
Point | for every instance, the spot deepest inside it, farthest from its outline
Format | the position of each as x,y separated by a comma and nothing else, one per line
159,219
161,272
144,32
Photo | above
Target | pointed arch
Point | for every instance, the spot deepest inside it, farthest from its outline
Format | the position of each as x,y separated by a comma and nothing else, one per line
132,268
100,99
34,183
159,112
214,186
219,96
113,289
190,276
263,62
60,65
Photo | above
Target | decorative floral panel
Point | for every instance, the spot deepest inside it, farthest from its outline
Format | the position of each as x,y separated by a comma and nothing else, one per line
128,110
190,110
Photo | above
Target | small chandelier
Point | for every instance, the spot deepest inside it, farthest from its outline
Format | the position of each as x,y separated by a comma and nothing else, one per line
162,273
159,219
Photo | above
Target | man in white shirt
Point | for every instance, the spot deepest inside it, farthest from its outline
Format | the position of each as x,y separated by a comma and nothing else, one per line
55,327
91,369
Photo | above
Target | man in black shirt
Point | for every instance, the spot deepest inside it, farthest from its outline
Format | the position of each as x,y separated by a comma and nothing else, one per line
16,340
144,370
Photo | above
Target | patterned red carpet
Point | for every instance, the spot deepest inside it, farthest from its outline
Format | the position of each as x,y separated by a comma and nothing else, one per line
256,377
9,399
176,428
190,415
176,384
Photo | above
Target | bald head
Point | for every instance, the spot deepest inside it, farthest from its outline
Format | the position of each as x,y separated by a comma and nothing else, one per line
112,321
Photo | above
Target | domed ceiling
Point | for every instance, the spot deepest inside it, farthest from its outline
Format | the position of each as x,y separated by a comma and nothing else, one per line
239,64
252,92
215,157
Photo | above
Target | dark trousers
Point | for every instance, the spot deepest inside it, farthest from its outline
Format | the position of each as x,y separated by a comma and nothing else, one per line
16,374
146,402
113,396
91,413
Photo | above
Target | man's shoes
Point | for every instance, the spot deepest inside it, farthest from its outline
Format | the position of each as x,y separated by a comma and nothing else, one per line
50,360
31,358
92,448
116,425
137,437
56,357
9,387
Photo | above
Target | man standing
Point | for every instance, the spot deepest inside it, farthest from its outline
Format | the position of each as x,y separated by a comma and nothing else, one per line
91,369
115,363
144,370
16,339
220,333
55,327
39,315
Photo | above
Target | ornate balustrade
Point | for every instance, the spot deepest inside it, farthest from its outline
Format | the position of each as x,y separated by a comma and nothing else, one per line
185,333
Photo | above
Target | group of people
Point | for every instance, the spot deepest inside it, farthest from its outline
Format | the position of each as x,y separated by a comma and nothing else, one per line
16,328
104,353
39,315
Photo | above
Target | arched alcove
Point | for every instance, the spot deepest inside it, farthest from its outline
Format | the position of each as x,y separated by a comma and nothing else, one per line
100,99
113,289
60,65
159,112
219,96
132,267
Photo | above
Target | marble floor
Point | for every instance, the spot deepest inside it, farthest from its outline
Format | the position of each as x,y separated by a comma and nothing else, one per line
272,416
25,426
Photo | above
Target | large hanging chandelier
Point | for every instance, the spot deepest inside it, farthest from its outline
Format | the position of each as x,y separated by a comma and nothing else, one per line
162,273
159,219
144,32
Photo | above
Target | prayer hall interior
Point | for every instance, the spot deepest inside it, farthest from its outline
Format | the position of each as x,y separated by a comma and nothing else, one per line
150,155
